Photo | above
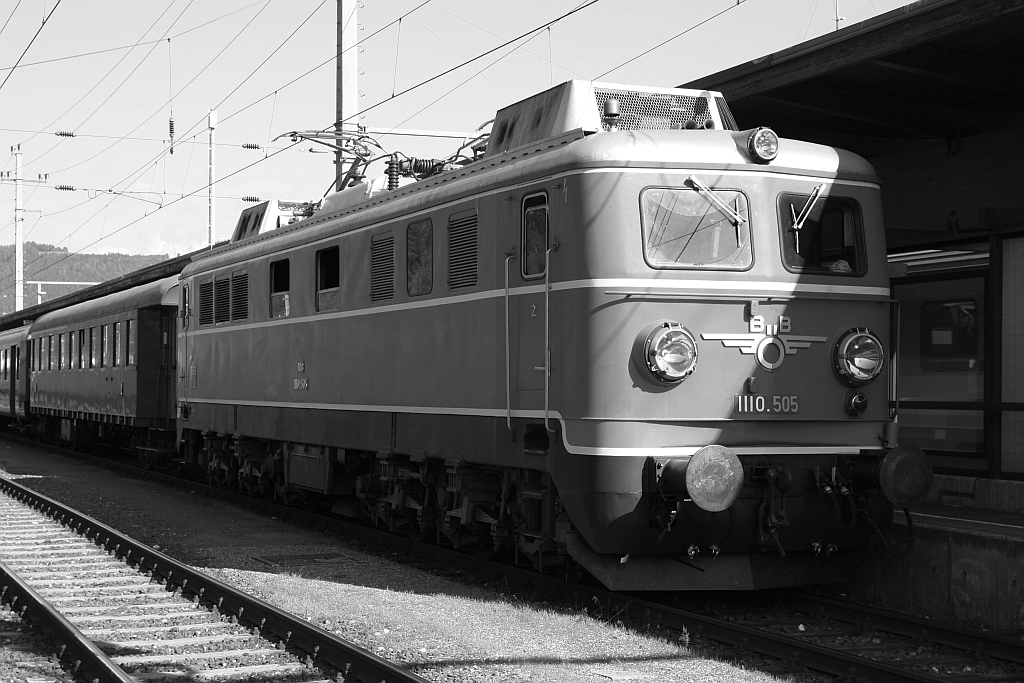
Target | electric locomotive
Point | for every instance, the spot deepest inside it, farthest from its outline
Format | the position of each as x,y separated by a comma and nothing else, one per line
618,333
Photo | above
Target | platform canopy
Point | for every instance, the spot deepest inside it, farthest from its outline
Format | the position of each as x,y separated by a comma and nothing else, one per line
936,69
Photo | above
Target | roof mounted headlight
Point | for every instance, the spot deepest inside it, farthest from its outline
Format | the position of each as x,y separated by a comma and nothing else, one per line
668,352
858,357
763,145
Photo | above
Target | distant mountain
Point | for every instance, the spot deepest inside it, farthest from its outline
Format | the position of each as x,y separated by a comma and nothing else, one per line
55,264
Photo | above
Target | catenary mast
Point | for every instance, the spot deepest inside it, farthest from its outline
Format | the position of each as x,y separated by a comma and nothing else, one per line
347,102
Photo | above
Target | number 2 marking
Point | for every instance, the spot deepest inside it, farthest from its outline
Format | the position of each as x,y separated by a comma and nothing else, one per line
533,311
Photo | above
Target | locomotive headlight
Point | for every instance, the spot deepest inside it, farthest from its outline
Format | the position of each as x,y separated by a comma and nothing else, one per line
858,357
670,352
763,145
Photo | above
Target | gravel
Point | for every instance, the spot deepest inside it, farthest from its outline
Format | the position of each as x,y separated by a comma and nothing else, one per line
429,621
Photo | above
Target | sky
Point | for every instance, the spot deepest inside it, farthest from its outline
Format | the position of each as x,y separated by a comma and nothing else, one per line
255,62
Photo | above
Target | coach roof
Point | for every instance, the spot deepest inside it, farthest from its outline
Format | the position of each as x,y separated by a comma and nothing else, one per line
160,293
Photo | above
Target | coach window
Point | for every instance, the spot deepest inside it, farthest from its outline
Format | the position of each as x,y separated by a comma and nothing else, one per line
115,346
49,352
535,234
60,351
83,352
94,348
696,228
130,331
71,350
3,364
280,288
328,279
419,250
821,235
104,346
17,362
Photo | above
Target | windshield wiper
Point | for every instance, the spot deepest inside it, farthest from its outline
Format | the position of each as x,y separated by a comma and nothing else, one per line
798,221
732,213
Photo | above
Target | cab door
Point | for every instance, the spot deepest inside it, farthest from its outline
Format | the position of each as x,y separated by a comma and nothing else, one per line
528,305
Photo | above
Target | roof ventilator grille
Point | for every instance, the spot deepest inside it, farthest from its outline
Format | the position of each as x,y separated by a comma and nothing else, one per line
654,110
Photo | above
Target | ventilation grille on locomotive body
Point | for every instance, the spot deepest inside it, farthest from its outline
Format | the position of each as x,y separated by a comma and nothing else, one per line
382,267
462,268
239,296
640,110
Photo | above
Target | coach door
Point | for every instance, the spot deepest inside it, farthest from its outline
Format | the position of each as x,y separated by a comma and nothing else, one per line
528,306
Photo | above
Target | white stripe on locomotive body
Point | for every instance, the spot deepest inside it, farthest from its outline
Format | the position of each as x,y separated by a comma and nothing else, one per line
742,290
654,451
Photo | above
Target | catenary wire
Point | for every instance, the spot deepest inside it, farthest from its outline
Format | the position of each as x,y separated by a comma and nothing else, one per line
665,42
27,47
11,16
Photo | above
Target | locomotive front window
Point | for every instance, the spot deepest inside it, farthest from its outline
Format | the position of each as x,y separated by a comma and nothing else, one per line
535,234
696,228
821,234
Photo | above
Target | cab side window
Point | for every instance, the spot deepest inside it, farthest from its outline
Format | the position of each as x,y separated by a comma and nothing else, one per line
535,234
280,288
328,279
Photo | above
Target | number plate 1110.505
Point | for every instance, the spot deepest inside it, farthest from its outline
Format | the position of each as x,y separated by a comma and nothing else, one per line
753,403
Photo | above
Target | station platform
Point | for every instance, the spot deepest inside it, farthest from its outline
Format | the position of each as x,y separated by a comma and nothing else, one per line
967,561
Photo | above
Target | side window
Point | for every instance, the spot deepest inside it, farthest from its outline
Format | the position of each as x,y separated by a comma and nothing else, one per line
419,250
3,364
130,332
17,362
328,279
49,352
94,348
83,354
116,346
104,346
60,351
280,289
535,234
71,350
950,336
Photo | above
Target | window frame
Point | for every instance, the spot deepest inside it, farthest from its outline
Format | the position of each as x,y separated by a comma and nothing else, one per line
429,261
283,295
523,233
318,273
785,222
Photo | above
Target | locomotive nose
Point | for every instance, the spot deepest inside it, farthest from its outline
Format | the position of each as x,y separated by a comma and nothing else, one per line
712,477
905,476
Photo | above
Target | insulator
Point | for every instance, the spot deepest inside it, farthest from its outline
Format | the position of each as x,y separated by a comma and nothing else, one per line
250,145
251,198
170,132
65,188
421,166
65,134
393,169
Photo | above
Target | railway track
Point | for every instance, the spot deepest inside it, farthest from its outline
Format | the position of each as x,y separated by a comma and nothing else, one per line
844,640
119,611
